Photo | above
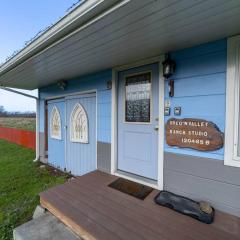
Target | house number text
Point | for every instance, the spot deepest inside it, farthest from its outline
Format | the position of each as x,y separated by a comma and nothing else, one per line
193,133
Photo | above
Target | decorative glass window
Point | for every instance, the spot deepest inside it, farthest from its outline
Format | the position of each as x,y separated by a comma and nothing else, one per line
56,124
138,98
79,125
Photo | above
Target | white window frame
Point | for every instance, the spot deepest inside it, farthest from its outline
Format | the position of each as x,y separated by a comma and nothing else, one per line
85,139
231,157
59,136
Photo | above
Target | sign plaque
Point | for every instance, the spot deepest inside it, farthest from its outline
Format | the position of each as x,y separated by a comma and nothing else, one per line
193,133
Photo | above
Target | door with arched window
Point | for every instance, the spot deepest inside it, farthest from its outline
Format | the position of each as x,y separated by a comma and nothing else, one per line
81,134
56,133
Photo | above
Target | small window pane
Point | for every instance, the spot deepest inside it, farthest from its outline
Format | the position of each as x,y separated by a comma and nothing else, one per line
79,125
55,124
138,98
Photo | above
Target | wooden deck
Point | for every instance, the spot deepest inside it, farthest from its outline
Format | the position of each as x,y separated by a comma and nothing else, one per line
95,211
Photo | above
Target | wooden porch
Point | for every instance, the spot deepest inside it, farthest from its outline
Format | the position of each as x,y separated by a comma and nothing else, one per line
95,211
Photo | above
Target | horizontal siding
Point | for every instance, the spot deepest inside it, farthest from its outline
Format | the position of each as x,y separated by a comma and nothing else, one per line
201,65
200,196
203,49
200,88
184,87
203,179
97,81
202,168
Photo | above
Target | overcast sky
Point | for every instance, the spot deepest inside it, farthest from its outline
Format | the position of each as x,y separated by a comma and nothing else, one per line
20,20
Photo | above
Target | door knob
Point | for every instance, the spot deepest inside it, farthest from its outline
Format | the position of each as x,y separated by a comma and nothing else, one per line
156,128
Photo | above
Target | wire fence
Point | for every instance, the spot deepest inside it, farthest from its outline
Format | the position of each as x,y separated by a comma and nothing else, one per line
21,137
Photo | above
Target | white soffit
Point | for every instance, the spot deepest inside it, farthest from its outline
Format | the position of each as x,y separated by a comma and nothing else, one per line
129,31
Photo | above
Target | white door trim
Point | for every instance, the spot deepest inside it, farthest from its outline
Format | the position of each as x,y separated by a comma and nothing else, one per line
114,126
70,94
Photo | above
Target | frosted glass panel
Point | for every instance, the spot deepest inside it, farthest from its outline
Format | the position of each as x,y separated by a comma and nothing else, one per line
138,98
55,124
79,125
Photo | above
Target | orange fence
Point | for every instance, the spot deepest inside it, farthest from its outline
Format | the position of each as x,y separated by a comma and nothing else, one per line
21,137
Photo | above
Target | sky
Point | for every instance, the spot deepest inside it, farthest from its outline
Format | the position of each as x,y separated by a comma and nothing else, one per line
20,20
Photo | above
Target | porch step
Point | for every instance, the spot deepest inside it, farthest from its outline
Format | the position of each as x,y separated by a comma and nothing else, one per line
45,227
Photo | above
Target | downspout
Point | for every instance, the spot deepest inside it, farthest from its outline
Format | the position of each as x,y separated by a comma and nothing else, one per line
37,129
37,116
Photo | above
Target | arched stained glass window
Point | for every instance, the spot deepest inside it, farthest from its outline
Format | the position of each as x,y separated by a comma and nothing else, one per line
56,132
79,125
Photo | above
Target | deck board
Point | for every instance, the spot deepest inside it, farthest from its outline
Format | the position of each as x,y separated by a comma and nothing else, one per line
131,210
96,211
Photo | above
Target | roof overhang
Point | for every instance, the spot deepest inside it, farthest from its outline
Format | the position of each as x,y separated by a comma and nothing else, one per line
104,34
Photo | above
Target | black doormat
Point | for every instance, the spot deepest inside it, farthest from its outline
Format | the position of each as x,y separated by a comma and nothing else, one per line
134,189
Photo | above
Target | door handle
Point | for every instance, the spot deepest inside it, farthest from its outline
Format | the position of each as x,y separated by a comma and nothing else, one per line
156,128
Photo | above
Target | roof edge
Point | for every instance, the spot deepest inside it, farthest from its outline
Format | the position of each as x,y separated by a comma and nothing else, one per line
83,13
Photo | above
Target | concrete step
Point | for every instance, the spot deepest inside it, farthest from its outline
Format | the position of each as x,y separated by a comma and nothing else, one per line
44,227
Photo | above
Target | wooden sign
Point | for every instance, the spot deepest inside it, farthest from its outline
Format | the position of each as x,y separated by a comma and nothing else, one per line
193,133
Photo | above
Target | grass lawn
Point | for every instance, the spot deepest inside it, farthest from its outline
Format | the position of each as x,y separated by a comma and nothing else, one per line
19,123
21,180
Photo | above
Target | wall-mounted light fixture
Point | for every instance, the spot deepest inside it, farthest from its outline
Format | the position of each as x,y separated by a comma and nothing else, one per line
62,84
168,69
109,85
168,66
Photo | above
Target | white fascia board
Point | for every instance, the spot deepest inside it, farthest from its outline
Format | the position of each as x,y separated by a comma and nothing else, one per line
18,92
84,12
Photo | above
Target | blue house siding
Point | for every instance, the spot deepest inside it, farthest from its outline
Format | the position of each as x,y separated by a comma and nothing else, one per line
200,89
200,86
97,81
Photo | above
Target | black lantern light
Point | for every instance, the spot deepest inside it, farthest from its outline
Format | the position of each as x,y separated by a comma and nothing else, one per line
168,66
62,84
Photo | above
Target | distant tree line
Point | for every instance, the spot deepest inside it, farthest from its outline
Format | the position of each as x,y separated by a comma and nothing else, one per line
27,114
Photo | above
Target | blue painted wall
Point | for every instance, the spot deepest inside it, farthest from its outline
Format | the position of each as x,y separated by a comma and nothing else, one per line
200,88
56,150
96,81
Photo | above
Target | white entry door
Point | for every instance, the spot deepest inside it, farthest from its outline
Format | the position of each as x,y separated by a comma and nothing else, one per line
138,112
